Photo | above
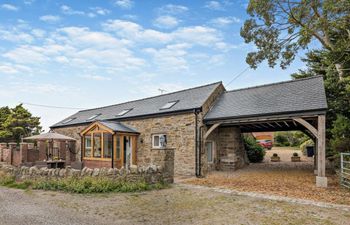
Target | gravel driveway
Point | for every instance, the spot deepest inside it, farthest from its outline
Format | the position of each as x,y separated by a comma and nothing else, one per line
176,205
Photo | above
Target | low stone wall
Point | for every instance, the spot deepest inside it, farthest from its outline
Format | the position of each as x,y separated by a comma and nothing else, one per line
151,174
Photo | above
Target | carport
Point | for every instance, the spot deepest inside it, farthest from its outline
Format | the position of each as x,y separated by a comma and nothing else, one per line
293,105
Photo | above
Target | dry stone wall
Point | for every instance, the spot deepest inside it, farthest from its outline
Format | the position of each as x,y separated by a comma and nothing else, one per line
151,174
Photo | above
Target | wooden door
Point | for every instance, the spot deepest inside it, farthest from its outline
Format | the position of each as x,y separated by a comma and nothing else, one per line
118,151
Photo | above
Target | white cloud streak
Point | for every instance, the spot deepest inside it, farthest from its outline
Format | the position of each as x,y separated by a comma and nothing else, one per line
50,18
124,4
9,7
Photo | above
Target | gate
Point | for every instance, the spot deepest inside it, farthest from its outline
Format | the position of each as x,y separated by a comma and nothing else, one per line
345,169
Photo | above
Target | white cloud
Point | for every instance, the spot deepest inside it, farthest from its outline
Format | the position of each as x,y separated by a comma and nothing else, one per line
27,54
135,32
9,68
130,17
28,2
224,21
101,11
69,11
214,5
39,33
170,58
9,7
173,9
197,35
50,18
78,47
96,77
124,4
166,22
15,35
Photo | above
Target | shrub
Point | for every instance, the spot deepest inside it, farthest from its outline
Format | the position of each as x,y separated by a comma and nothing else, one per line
295,154
275,155
254,151
305,144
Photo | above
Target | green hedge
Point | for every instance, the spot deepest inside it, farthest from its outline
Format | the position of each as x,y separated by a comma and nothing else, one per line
254,151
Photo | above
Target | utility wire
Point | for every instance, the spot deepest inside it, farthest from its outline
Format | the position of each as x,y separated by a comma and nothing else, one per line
238,75
51,106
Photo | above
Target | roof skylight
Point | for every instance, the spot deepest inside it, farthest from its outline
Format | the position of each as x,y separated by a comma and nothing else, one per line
68,120
125,111
169,105
94,116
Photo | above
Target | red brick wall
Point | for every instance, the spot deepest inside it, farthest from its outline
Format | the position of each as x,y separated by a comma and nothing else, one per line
97,164
16,157
33,155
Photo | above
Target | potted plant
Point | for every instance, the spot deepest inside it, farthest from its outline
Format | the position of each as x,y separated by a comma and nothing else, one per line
295,157
275,158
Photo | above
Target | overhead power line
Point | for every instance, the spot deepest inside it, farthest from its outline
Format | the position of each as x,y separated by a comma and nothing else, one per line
51,106
238,75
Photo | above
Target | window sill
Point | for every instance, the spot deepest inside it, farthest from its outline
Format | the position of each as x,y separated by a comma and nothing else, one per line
162,149
97,159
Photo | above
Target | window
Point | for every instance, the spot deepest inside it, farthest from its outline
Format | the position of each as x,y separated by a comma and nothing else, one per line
118,147
94,116
169,105
87,139
97,145
68,120
210,151
107,145
125,111
159,140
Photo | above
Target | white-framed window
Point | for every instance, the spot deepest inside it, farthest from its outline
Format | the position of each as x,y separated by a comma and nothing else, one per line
210,151
159,140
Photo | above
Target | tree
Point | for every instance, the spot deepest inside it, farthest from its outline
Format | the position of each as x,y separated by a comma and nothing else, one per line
281,28
16,123
319,62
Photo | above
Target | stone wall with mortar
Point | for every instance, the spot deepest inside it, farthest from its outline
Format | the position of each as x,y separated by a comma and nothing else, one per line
150,174
229,149
180,131
205,166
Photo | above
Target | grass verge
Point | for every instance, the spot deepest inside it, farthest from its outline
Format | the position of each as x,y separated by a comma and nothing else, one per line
83,185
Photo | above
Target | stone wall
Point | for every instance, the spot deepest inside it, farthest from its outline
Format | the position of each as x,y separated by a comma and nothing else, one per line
180,131
151,174
229,152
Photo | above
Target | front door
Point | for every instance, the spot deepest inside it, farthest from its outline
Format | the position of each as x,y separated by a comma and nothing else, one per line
124,151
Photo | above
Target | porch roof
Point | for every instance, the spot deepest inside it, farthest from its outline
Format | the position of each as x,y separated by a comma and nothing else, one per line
302,97
118,127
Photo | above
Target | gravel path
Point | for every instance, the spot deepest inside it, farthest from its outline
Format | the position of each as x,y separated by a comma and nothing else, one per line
176,205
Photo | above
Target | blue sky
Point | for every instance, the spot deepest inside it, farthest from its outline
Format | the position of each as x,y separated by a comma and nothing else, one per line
91,53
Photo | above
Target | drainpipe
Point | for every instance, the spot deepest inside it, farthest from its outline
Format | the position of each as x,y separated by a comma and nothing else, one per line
197,146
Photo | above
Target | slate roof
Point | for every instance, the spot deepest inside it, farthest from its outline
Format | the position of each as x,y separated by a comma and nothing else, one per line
118,126
277,98
188,99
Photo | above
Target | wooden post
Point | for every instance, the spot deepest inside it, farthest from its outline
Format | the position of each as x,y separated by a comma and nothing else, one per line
321,179
315,155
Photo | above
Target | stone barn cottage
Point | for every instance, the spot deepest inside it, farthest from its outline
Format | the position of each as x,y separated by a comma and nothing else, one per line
202,126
